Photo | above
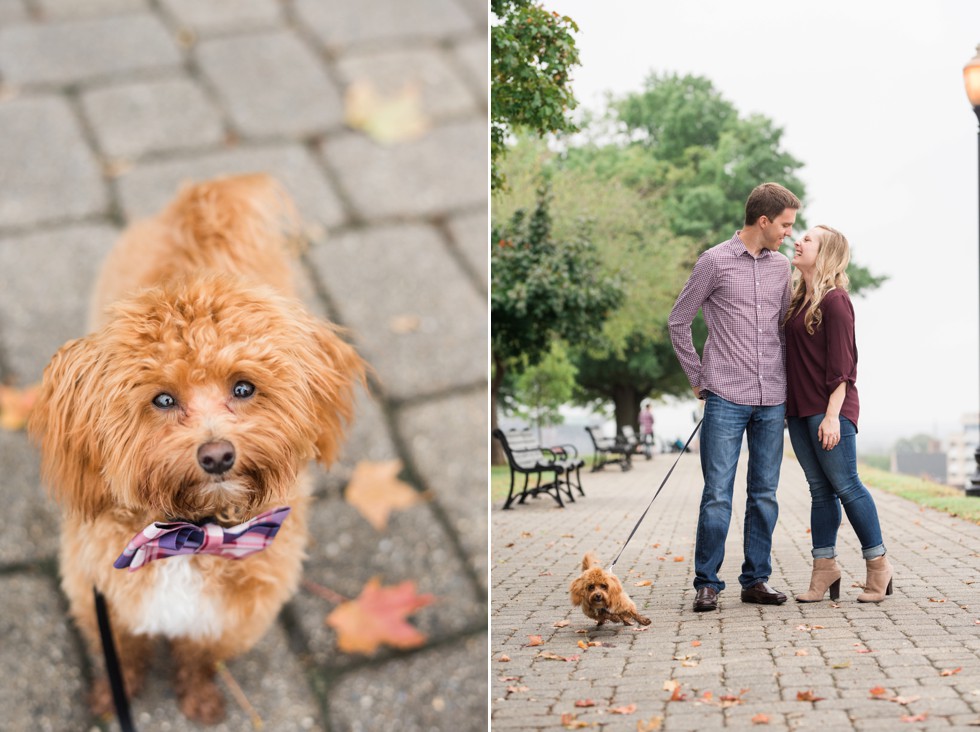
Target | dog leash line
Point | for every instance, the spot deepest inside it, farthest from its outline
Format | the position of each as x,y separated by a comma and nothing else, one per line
666,478
112,665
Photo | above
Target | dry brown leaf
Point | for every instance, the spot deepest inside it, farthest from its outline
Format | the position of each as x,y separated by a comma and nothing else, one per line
802,652
696,643
387,119
561,624
808,696
651,725
643,583
568,721
585,703
375,491
534,640
377,616
504,659
760,718
950,671
916,718
678,559
16,405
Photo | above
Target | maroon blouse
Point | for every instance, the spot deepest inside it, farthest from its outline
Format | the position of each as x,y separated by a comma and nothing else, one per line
817,364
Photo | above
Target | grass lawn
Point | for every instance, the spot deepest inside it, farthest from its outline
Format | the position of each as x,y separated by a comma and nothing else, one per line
924,492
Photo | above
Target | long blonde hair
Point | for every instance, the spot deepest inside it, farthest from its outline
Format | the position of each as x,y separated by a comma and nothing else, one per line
830,273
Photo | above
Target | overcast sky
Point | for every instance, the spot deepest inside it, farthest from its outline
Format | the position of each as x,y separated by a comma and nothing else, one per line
871,100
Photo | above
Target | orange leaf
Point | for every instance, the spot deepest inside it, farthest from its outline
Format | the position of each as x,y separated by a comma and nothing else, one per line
375,491
676,695
950,671
568,721
760,718
560,624
878,692
585,703
678,559
695,643
534,640
377,617
15,406
808,696
504,659
628,709
643,583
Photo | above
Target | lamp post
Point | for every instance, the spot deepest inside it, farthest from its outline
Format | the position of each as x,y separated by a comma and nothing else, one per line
971,78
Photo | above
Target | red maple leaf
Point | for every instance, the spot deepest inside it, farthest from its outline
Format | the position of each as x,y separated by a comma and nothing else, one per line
377,616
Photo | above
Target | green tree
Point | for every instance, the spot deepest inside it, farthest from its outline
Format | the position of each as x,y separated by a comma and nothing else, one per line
542,389
532,53
542,289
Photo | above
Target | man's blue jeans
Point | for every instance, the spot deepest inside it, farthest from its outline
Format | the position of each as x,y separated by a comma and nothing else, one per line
721,442
834,482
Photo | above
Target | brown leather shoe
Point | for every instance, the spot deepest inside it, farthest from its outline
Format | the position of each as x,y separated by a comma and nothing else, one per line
706,599
763,594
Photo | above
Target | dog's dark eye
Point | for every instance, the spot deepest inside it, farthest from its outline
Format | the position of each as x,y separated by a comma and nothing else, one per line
243,389
164,401
604,586
591,587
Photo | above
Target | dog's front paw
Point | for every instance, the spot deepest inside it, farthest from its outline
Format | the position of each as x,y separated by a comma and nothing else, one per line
100,698
203,703
642,620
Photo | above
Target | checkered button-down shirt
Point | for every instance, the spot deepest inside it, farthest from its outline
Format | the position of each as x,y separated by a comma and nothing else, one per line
743,299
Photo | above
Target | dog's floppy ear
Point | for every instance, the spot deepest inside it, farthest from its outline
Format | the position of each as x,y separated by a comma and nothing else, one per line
577,591
63,425
338,369
615,588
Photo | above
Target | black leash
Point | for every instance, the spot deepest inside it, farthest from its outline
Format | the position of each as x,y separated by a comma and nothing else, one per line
112,665
666,477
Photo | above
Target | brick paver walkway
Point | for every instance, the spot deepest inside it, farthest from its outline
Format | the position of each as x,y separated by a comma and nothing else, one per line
105,107
921,646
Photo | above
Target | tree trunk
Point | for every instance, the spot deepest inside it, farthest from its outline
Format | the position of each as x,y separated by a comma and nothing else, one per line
627,402
497,456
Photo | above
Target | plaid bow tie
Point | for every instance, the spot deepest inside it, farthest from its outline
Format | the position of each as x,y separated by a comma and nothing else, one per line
162,539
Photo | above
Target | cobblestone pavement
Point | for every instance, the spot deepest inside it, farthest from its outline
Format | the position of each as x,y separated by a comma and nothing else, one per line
919,650
106,106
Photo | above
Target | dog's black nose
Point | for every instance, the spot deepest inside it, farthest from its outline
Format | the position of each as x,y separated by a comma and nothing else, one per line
216,457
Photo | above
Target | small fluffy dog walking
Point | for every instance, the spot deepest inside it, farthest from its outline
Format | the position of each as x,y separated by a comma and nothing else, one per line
199,398
601,595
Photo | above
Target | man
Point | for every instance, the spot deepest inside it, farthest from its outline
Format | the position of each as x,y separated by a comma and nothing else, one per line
742,286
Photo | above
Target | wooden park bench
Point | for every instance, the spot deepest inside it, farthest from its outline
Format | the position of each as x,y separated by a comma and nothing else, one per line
526,457
609,450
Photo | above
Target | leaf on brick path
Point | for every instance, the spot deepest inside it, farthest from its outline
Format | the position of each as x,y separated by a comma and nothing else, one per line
504,659
834,605
584,703
842,664
671,684
404,324
643,583
655,546
375,491
729,700
678,558
950,671
864,650
509,546
651,725
676,695
526,534
568,721
582,632
802,652
903,700
661,559
377,616
937,599
808,695
560,623
916,718
534,640
696,643
760,718
628,709
707,697
385,118
16,405
544,574
548,655
878,692
515,690
509,678
686,657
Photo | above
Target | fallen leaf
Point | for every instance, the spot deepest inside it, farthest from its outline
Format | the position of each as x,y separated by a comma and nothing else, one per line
643,583
760,718
548,655
651,725
385,118
802,652
503,659
585,703
877,692
695,643
568,721
864,650
671,685
534,640
377,616
937,599
676,695
808,696
561,624
904,699
510,678
950,671
707,696
655,546
375,491
678,559
916,718
15,406
628,709
842,664
546,573
516,689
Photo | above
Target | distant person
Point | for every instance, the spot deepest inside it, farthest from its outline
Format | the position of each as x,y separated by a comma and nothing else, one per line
646,430
822,413
742,287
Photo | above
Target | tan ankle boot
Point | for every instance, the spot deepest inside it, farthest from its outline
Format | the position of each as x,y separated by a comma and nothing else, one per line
879,582
826,574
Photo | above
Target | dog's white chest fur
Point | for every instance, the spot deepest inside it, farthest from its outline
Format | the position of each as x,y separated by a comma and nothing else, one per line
177,605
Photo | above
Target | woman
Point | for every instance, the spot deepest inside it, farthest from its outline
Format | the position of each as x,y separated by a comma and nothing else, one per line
822,413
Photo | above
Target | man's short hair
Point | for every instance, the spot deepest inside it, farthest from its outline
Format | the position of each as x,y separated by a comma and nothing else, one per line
769,200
